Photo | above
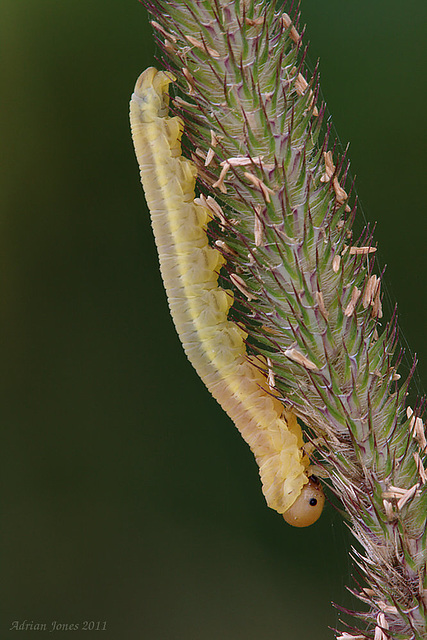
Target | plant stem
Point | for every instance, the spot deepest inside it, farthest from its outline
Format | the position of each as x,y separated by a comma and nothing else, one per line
306,290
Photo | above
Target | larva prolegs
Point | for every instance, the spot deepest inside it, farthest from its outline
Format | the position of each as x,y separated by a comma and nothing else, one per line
214,345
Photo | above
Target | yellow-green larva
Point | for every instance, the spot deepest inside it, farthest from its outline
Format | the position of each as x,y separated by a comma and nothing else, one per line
214,345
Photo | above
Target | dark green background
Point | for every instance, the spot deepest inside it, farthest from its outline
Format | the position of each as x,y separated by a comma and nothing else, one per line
127,495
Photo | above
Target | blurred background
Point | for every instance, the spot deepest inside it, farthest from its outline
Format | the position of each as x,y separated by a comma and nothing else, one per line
127,495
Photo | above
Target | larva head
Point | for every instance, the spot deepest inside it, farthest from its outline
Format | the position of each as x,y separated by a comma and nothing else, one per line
308,506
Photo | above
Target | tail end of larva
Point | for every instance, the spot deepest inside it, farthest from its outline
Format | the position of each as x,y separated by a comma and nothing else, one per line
152,88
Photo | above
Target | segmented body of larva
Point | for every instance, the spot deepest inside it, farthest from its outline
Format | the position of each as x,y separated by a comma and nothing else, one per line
214,345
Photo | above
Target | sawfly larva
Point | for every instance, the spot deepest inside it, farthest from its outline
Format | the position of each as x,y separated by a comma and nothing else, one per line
214,345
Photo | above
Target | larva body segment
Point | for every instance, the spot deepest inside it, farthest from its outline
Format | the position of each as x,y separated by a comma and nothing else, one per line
189,265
